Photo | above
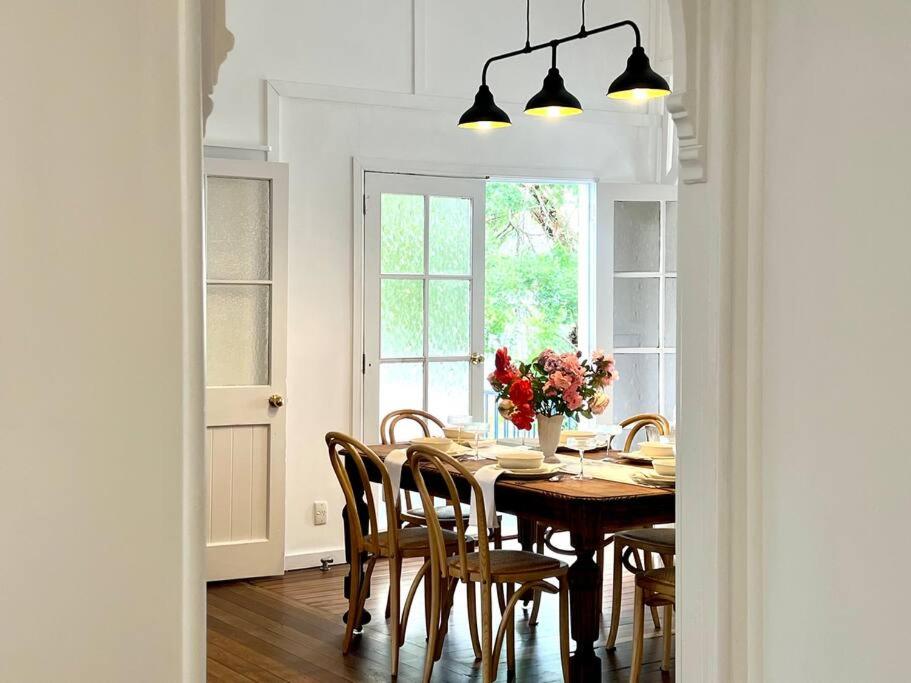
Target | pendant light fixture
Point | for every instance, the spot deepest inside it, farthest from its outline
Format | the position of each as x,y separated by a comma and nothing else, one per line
637,83
553,100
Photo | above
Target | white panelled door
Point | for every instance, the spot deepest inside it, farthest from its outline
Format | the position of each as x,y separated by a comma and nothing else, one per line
423,296
246,337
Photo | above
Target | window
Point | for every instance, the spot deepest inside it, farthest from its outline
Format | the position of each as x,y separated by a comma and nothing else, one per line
645,307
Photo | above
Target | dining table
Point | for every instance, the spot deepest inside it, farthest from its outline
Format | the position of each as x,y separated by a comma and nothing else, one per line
589,509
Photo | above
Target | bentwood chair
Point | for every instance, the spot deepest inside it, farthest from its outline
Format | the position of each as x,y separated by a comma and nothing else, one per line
654,588
411,514
518,570
628,544
394,544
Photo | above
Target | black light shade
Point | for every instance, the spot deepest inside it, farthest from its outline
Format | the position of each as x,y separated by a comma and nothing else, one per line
638,82
484,113
553,99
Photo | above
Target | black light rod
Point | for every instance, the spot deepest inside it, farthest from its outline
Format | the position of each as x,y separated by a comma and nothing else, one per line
584,33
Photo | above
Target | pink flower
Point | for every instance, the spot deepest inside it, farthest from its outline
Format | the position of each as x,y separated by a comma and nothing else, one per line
573,399
560,380
597,356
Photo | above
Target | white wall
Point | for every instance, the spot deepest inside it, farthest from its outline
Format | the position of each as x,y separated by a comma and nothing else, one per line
375,49
837,318
101,344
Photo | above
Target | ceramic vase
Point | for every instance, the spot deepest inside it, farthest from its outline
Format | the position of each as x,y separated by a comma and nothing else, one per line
549,428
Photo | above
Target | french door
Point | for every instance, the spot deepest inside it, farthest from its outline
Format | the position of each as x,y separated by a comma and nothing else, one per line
423,296
246,311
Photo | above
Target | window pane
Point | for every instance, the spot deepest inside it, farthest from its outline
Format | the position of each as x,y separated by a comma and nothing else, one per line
636,312
402,233
450,317
237,335
670,252
401,386
447,390
238,229
636,235
402,318
670,312
670,387
637,389
450,235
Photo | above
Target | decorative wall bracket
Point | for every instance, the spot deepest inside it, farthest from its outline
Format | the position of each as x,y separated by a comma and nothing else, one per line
217,42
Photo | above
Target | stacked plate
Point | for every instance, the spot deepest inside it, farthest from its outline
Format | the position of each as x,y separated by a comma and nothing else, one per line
664,464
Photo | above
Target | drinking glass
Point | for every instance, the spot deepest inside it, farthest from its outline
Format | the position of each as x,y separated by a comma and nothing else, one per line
459,421
478,429
606,433
581,444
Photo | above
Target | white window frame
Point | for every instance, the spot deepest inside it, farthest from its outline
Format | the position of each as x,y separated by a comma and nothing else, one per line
608,195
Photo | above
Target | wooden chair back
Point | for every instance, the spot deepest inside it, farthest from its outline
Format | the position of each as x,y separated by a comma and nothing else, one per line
438,464
422,418
644,421
342,446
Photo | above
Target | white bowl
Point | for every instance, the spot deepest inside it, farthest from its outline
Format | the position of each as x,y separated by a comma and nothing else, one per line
520,460
666,467
658,449
439,442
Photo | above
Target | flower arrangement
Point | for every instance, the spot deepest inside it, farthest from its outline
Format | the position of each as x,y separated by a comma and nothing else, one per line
552,384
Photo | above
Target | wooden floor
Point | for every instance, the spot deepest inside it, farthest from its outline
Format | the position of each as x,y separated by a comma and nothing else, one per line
289,628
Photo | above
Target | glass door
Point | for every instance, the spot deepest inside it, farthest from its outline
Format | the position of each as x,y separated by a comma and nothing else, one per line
423,296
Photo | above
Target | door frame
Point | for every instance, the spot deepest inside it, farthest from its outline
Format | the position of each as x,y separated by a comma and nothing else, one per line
360,166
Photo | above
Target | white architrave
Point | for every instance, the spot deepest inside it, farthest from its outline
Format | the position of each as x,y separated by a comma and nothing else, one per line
718,111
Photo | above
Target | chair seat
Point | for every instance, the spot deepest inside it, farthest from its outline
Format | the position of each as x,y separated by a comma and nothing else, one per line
661,541
416,538
505,564
660,581
445,513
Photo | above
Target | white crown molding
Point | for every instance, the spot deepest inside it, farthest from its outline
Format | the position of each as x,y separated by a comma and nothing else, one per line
217,42
438,103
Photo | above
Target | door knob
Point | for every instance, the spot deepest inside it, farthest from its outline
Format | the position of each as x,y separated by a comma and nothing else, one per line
276,401
476,358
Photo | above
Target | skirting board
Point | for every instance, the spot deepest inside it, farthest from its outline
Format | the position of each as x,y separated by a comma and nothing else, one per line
312,559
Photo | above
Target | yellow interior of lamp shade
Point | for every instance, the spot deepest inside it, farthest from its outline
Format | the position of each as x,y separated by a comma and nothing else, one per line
554,112
638,94
485,125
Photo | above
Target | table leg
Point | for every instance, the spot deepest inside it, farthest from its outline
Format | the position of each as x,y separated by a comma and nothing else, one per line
355,564
585,608
526,532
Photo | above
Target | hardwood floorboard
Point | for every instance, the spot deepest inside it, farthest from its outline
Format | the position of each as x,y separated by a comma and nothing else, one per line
289,628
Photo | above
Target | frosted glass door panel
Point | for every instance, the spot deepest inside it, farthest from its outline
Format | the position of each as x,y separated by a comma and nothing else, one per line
670,239
448,388
636,236
636,312
637,390
450,236
450,317
237,335
238,229
401,386
402,316
669,409
402,234
670,312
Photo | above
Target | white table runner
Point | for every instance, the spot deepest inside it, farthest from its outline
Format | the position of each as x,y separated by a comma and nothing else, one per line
487,479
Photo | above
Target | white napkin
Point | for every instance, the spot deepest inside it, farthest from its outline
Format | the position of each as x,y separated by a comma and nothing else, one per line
394,463
487,478
609,471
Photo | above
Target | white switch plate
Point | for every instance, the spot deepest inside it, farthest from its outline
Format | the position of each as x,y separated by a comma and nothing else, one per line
320,512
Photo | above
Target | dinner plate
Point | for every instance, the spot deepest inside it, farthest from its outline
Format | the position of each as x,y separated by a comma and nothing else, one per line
652,479
637,456
545,471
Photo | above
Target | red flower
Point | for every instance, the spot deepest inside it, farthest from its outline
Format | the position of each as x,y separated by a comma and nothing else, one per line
523,416
505,372
520,392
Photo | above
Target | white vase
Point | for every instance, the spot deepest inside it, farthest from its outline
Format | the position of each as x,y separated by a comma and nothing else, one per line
549,428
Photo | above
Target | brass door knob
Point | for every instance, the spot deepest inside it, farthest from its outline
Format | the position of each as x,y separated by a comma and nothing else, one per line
476,358
276,401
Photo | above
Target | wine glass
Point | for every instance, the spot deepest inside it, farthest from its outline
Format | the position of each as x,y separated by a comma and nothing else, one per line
459,421
478,429
607,434
581,444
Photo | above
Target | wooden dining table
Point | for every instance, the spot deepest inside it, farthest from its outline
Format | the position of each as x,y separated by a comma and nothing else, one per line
588,509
